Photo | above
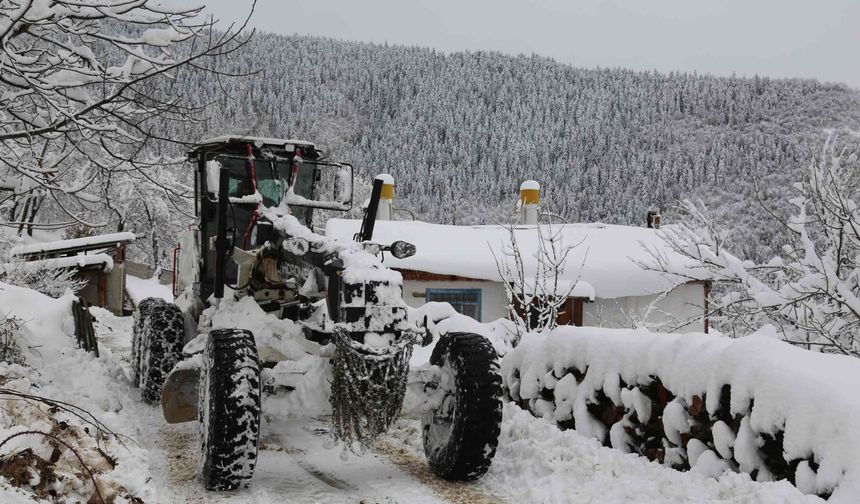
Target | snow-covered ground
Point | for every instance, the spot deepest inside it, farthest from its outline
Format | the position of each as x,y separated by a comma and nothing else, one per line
535,462
538,463
142,288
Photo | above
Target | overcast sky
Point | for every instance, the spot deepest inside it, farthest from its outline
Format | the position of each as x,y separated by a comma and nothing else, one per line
778,38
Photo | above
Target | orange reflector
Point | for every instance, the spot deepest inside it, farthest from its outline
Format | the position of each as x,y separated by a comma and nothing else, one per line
530,196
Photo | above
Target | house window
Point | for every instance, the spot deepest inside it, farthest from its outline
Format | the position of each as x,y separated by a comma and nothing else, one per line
465,301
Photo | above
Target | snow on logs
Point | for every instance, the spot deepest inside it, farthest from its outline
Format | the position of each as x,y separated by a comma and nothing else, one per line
705,403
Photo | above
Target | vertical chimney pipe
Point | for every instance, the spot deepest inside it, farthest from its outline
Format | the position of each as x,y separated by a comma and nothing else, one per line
529,202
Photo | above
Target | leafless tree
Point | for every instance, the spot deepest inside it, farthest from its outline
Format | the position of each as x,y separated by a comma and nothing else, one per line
535,286
79,100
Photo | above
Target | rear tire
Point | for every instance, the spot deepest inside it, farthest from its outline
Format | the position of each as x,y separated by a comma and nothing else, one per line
461,435
140,315
157,341
229,409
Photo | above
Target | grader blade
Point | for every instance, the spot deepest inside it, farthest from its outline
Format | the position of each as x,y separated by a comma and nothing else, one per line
179,396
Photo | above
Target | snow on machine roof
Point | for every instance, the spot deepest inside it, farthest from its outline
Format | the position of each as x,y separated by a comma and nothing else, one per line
288,144
603,264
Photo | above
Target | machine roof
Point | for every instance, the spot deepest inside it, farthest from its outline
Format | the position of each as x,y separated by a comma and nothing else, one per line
258,141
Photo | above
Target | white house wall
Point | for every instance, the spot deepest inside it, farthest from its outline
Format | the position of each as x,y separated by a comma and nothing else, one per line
659,312
493,300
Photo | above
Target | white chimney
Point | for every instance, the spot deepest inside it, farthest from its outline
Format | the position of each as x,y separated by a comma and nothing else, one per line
529,202
386,198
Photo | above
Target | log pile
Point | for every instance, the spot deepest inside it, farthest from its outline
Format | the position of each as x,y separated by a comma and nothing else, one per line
644,416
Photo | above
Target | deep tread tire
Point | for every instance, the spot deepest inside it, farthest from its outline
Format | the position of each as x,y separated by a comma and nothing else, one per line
229,409
157,340
140,315
467,451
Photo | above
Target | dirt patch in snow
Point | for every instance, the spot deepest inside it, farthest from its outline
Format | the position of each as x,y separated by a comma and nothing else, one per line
25,469
454,492
181,454
65,463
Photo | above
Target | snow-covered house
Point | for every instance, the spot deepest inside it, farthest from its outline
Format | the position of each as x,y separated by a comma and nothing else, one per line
457,264
98,260
603,273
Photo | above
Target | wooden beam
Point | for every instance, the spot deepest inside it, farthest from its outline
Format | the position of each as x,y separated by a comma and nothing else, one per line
426,276
577,311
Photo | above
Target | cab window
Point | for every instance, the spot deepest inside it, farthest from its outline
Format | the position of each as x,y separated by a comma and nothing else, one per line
239,181
269,183
304,184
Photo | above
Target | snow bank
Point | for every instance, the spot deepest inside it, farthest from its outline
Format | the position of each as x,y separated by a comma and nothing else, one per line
755,404
48,329
442,318
141,288
53,368
537,463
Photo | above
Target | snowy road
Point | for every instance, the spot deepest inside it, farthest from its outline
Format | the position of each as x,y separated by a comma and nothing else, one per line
535,463
294,464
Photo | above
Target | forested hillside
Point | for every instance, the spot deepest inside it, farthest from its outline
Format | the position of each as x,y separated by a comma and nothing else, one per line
459,132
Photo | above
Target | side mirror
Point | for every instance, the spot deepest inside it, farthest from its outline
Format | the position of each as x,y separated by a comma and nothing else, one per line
343,185
401,249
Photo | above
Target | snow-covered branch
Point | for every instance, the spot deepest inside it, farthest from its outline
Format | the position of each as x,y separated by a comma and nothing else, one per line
810,290
82,96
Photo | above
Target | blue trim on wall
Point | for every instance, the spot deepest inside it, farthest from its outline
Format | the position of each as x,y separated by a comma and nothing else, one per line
442,294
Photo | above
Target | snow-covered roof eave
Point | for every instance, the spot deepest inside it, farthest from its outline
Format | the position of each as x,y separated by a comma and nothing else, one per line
105,240
78,261
581,289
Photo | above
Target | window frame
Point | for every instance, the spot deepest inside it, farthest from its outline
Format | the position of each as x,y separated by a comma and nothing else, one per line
429,292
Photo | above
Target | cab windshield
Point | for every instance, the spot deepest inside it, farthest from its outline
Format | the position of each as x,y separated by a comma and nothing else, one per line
273,178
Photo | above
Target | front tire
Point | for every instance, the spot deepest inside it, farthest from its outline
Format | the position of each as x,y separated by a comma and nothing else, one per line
229,409
157,340
462,432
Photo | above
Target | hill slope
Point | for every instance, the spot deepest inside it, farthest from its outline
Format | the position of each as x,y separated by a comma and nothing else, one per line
460,131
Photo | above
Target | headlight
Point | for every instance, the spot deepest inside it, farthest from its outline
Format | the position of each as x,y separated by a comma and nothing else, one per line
401,249
371,247
296,246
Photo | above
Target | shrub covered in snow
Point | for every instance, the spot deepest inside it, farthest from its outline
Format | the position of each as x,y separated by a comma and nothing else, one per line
10,345
52,282
700,402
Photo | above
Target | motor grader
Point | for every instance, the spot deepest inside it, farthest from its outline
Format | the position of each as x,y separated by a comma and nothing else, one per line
254,203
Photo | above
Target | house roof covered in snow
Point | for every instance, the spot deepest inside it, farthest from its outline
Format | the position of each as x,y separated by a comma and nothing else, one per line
76,261
73,245
604,260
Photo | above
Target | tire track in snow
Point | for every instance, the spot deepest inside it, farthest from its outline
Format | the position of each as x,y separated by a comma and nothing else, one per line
293,464
452,491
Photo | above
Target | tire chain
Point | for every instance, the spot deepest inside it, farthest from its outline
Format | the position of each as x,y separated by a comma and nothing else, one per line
367,390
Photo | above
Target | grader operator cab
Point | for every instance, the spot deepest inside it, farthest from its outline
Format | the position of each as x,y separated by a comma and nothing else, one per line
255,199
